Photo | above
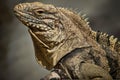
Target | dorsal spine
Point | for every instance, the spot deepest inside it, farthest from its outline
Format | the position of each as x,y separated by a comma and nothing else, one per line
106,41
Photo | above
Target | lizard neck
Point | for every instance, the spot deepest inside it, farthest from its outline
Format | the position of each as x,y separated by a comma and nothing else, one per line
72,42
50,57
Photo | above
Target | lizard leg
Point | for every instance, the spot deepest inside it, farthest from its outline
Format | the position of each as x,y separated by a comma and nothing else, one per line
89,71
78,66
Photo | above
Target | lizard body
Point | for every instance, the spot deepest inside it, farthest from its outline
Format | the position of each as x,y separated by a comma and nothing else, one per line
62,36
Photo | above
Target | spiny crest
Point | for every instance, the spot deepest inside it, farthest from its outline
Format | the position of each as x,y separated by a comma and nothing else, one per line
79,19
81,14
74,10
117,47
84,20
106,41
102,38
112,42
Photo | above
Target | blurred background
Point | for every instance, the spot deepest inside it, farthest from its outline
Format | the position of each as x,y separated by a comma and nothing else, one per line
17,60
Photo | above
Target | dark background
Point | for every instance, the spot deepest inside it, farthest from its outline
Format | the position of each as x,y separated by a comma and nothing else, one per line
17,60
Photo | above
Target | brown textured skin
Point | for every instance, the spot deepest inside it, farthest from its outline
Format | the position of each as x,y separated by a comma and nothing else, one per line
63,40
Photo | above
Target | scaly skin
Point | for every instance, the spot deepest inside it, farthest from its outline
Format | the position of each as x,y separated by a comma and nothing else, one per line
61,36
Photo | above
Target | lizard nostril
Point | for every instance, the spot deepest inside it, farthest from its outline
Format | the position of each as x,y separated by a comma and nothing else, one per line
18,7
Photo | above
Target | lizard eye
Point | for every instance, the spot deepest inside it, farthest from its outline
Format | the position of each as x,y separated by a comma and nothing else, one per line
39,11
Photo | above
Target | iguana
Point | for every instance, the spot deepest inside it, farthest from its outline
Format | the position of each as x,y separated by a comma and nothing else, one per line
64,42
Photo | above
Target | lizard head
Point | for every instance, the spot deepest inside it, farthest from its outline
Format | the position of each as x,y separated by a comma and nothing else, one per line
55,31
42,20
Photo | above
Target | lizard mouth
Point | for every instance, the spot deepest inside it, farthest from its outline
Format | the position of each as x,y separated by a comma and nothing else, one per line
37,27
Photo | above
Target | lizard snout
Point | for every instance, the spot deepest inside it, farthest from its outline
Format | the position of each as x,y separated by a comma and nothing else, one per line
18,7
22,7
